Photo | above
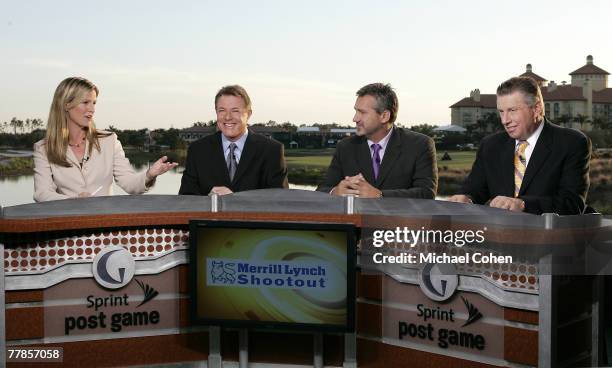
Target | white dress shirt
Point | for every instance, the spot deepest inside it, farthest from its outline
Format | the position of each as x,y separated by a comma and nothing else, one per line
383,145
239,146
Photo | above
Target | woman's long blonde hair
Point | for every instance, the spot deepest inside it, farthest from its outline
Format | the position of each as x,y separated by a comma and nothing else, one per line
70,92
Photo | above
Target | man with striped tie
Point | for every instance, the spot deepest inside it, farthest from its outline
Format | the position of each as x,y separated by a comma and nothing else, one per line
234,159
533,166
382,160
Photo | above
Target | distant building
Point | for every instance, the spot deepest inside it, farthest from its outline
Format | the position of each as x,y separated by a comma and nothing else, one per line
342,132
576,105
470,109
303,137
336,134
309,137
279,133
308,130
194,133
321,137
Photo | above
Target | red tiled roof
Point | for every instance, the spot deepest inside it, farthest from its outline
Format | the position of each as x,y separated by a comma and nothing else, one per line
487,101
589,69
603,96
534,76
563,93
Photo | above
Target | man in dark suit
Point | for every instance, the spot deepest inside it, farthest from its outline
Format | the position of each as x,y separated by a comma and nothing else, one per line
382,160
233,159
533,166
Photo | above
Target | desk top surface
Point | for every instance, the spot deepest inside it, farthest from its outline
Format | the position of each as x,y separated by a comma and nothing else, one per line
287,202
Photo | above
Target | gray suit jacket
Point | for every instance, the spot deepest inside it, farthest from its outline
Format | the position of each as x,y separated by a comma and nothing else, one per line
408,168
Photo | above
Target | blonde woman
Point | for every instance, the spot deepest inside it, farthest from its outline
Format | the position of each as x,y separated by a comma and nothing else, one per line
76,160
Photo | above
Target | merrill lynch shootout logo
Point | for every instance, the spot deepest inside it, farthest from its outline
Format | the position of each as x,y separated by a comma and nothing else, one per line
276,274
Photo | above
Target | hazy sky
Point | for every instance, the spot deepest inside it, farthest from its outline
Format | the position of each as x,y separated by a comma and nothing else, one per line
160,63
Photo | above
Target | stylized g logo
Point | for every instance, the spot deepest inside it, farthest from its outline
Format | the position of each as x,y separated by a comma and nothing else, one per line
114,267
438,281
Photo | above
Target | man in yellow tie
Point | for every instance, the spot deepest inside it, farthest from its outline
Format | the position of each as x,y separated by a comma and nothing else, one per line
534,165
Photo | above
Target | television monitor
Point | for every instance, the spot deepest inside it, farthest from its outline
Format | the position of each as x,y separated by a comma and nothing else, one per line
281,275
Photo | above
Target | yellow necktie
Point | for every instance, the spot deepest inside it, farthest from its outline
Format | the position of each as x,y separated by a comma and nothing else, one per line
520,166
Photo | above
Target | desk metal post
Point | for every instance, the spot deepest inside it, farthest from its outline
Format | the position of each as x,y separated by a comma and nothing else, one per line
597,321
350,339
214,202
548,296
214,332
350,350
318,350
349,204
243,352
214,347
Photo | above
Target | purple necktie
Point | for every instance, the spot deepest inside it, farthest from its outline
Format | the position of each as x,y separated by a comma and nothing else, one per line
376,159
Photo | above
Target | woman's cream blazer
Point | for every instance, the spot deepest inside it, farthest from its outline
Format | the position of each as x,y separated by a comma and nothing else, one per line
53,182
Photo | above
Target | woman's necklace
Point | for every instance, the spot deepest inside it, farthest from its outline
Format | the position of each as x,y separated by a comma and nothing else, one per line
77,145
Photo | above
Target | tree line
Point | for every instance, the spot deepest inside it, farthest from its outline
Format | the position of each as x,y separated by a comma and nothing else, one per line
24,126
24,133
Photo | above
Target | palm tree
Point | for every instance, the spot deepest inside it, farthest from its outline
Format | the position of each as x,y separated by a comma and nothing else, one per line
14,124
37,123
489,122
581,119
563,120
598,123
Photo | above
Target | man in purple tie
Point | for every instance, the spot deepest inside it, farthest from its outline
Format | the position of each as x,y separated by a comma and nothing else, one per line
382,160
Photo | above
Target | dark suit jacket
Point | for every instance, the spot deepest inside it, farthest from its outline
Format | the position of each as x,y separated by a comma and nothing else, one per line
262,165
557,176
408,168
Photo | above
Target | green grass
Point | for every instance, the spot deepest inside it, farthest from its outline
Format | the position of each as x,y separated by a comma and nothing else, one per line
17,166
322,158
139,158
459,159
298,152
309,161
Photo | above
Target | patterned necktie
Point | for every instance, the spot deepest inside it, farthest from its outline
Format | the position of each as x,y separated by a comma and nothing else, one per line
520,166
376,159
231,161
